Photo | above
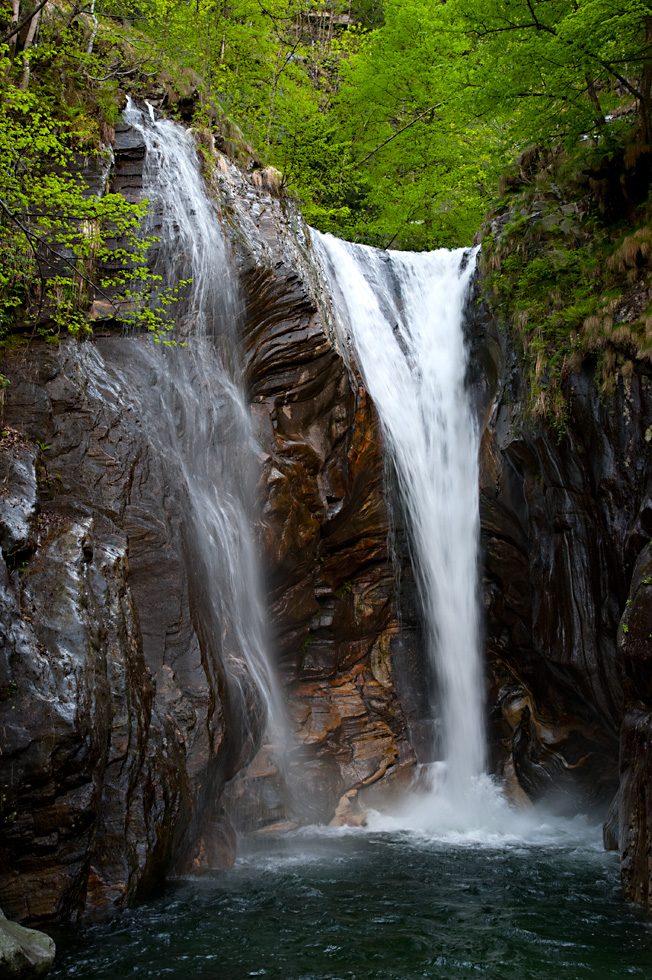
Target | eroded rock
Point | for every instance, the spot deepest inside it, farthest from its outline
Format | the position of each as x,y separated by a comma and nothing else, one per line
116,740
568,573
25,954
18,495
631,831
125,710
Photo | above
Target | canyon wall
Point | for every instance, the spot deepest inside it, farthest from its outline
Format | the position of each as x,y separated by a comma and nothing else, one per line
133,735
124,715
566,523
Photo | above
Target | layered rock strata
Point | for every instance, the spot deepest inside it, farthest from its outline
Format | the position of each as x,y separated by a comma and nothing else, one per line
130,733
567,520
123,717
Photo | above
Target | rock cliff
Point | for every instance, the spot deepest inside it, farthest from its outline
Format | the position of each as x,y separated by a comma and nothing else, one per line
124,714
132,731
566,536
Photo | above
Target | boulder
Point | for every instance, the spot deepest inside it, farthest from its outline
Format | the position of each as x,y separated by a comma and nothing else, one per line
25,954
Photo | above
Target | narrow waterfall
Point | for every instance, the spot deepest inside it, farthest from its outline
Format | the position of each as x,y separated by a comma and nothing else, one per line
197,415
402,313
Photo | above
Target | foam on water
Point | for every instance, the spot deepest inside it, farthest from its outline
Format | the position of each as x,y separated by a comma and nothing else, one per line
483,817
487,823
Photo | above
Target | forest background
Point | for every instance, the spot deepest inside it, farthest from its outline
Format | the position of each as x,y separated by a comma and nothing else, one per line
390,121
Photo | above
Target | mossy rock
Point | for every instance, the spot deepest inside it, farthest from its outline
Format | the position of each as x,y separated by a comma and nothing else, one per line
24,953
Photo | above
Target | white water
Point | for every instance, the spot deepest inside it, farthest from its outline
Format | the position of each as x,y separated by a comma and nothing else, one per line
485,821
197,417
402,314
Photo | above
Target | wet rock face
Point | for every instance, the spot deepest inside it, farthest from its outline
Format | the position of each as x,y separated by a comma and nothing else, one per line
126,724
633,805
566,529
324,537
20,494
115,740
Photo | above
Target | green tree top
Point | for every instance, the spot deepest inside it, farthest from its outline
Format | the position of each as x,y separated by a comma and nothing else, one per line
554,68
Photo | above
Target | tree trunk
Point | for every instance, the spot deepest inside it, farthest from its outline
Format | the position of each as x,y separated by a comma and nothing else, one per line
89,49
15,16
644,133
29,40
600,121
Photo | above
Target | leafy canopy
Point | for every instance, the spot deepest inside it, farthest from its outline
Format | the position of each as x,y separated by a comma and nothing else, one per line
390,121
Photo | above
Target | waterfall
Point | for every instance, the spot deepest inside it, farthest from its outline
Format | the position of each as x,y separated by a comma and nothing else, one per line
198,419
402,314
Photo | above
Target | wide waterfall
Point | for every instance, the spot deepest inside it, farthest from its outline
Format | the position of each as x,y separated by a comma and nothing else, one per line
197,414
402,313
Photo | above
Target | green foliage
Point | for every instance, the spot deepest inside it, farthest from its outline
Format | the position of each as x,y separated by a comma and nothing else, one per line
391,164
345,589
431,168
440,96
553,70
431,105
390,121
57,239
341,100
569,272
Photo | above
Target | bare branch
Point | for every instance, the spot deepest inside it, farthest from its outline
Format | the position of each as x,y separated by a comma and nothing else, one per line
389,139
121,74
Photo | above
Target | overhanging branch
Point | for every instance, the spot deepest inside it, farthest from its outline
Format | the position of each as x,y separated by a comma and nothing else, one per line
389,139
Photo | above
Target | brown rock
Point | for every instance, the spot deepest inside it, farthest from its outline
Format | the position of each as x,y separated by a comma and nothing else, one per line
348,813
124,713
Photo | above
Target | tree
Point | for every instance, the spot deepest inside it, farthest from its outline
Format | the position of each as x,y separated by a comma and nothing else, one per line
554,68
429,168
56,237
392,133
441,97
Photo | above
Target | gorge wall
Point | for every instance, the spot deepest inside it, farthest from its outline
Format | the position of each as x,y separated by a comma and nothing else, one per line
566,543
123,716
131,734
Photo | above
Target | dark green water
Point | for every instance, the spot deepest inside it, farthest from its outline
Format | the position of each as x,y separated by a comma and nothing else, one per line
383,905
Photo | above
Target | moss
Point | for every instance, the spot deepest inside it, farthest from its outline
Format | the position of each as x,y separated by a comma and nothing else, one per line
568,264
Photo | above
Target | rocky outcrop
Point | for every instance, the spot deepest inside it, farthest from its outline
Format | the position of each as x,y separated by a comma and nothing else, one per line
125,714
115,739
632,833
566,521
131,727
323,532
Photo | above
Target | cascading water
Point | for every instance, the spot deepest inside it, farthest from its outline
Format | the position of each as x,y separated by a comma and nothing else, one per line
322,902
474,895
403,314
197,416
